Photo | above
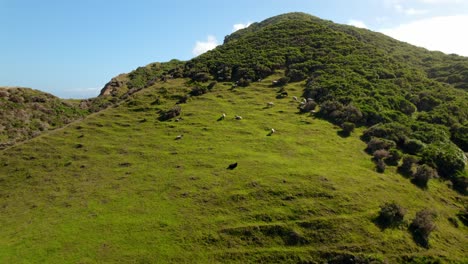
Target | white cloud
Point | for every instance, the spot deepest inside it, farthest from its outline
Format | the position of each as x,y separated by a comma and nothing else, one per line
239,26
443,33
357,23
440,1
204,46
408,11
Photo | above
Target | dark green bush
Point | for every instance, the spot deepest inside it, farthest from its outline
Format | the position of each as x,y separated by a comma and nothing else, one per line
198,90
423,174
201,77
308,106
409,161
391,214
394,157
422,226
171,113
348,127
380,166
379,143
446,157
413,146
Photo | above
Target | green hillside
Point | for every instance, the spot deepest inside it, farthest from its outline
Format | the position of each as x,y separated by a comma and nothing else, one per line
369,170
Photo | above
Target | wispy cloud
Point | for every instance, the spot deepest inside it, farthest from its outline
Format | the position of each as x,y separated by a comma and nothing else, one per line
239,26
436,33
409,11
204,46
357,23
440,1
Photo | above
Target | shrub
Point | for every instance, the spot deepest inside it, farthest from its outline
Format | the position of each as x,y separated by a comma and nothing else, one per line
406,167
197,91
211,85
391,131
422,226
282,81
380,166
296,75
423,174
460,183
171,113
460,137
463,216
394,157
379,143
243,82
351,114
348,127
446,157
391,214
380,154
308,106
413,146
201,77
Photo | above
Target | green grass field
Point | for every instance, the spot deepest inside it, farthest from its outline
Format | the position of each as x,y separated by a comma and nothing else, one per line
117,187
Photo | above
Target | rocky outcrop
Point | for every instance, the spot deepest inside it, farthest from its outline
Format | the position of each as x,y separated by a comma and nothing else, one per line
111,87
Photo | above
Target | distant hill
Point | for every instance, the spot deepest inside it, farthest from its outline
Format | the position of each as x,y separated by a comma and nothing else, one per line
347,144
25,113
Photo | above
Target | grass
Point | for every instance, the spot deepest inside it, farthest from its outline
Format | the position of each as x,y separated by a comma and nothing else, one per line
118,187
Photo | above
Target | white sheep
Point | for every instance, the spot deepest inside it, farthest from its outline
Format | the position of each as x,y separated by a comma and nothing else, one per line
179,137
270,104
273,130
238,117
295,98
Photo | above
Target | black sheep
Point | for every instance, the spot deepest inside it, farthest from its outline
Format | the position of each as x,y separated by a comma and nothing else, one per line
232,166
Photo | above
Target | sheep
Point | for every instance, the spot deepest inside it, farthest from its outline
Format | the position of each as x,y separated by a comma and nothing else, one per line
222,117
309,99
295,98
232,166
270,104
179,137
272,131
304,100
238,117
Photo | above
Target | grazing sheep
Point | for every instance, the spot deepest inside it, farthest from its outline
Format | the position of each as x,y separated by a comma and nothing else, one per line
309,99
295,98
238,117
232,166
304,100
270,104
179,137
222,117
272,131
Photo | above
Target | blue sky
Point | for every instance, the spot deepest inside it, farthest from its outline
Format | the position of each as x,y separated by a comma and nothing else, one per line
72,48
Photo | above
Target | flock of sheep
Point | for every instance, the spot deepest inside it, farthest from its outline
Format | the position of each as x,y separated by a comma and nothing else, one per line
237,117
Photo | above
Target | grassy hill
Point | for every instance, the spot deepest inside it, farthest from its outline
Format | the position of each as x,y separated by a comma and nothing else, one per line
118,187
146,180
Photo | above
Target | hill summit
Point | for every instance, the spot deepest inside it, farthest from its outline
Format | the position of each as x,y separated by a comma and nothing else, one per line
296,141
